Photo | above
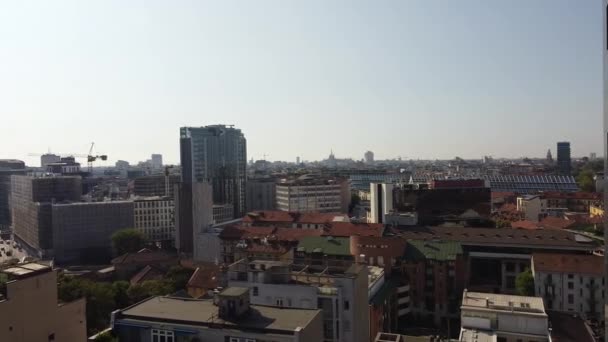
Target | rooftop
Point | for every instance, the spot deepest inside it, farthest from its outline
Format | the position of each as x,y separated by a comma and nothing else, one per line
502,302
21,271
286,217
433,250
205,313
326,245
474,335
234,292
568,263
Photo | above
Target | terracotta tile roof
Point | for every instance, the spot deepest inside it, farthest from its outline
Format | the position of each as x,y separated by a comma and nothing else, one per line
502,194
551,222
498,237
144,256
294,234
350,229
288,218
206,276
147,273
242,232
525,224
568,263
266,248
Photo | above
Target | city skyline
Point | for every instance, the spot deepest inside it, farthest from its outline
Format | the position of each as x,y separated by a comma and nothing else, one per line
413,79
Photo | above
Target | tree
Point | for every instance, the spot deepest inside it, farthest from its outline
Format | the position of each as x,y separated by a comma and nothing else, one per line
585,180
149,288
500,223
106,337
179,276
121,296
524,283
127,241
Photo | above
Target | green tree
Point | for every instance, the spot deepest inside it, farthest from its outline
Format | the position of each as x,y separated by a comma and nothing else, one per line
585,180
149,288
179,276
524,283
121,296
503,224
106,337
127,241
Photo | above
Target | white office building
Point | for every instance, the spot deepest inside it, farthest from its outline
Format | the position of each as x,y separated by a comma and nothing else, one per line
155,217
308,194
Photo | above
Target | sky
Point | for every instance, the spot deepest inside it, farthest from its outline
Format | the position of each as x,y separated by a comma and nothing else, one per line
410,78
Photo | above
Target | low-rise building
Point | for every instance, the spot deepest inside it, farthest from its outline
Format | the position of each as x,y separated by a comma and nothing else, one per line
313,194
227,318
30,310
572,283
496,317
342,296
155,218
532,207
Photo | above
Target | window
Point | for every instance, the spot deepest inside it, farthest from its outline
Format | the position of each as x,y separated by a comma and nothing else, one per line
570,299
570,285
581,292
279,301
346,305
580,279
234,339
570,276
159,335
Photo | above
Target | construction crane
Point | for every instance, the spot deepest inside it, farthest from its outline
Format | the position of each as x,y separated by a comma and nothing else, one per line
91,158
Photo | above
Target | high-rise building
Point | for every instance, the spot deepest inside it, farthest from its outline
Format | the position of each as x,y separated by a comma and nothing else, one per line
193,217
156,161
261,193
369,157
216,154
563,158
8,167
48,158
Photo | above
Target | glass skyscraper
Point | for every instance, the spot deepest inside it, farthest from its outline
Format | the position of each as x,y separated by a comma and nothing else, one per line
216,154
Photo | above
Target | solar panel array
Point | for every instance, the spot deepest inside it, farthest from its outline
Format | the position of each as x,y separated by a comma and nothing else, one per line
532,184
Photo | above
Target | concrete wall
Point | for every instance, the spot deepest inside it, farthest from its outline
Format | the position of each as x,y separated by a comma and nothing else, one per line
295,296
554,289
31,312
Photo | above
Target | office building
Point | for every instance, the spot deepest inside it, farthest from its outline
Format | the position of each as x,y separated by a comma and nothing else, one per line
156,161
31,311
228,318
155,218
155,185
48,158
222,213
313,194
381,202
8,167
342,296
193,220
572,283
368,157
261,194
362,180
31,207
564,164
82,231
497,317
216,154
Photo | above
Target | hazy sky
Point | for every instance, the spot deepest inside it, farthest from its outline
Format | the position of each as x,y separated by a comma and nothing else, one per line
417,79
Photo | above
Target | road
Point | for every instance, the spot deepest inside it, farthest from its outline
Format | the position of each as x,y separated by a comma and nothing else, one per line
6,246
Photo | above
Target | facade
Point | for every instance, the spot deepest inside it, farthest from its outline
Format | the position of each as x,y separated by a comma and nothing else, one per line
155,217
342,297
82,231
216,154
31,207
48,158
261,194
155,185
8,168
532,207
381,202
30,310
572,201
497,317
193,214
564,164
435,271
156,161
228,318
222,212
309,194
362,181
572,283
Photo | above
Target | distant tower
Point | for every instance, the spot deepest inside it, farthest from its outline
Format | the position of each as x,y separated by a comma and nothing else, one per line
157,161
549,157
331,161
298,160
369,157
563,158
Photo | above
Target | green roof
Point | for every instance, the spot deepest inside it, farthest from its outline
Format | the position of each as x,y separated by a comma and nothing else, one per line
432,250
325,244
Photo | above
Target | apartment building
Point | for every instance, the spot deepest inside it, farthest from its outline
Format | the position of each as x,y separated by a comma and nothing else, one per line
532,207
502,318
261,193
572,283
313,194
155,217
155,185
30,310
227,318
341,296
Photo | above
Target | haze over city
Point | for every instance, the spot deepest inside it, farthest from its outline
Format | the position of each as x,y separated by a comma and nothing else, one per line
417,79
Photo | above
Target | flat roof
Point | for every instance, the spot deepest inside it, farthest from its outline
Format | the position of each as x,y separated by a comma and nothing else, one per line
568,263
234,292
502,302
204,313
25,270
473,335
